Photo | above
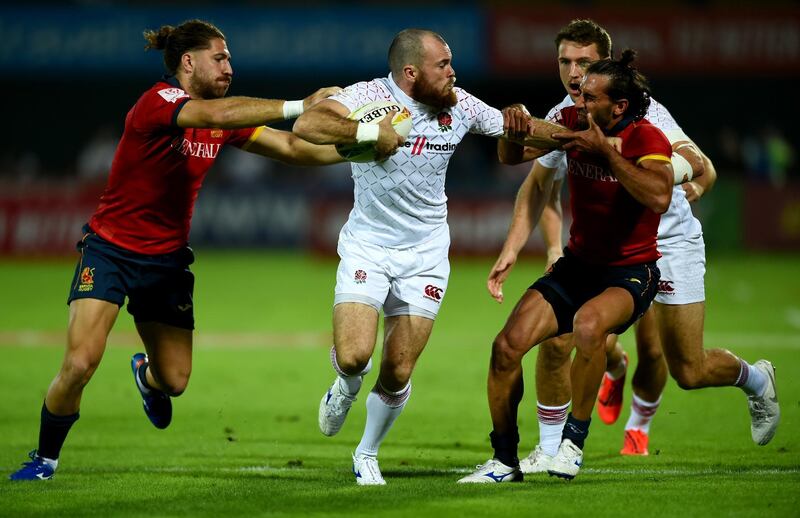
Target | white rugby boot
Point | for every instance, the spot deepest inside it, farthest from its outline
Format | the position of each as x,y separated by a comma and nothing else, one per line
366,470
765,413
537,462
493,471
567,462
333,409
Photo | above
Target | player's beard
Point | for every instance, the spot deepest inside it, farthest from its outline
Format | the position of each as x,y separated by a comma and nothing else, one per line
425,92
208,88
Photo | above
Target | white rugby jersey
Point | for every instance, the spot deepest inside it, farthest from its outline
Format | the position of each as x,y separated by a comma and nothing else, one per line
678,223
400,202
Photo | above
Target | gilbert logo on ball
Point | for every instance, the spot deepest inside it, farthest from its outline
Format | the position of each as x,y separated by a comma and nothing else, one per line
374,113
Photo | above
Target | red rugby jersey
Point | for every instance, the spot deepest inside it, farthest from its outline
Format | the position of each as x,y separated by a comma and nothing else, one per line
608,225
157,172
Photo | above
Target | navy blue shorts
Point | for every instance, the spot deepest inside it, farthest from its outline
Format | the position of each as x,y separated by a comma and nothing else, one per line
159,287
572,282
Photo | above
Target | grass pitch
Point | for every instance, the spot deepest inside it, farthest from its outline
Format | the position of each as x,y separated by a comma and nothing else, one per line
244,440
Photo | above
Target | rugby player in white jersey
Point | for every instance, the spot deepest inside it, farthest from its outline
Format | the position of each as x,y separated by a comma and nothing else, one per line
674,322
394,246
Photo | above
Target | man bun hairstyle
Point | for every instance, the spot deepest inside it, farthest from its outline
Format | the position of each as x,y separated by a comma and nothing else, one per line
624,82
586,32
177,41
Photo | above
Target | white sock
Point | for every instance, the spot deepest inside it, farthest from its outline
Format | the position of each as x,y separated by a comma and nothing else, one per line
383,407
751,380
349,384
642,413
551,424
619,371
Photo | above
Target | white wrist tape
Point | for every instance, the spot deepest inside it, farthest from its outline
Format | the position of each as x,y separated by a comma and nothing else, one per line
292,109
682,169
367,132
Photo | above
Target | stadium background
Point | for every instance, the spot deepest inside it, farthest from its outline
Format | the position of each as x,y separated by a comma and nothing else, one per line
244,440
76,70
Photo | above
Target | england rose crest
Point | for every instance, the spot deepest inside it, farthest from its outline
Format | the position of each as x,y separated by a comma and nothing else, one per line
360,277
445,121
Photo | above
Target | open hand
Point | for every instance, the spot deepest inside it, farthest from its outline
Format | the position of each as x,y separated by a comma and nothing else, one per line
591,140
499,273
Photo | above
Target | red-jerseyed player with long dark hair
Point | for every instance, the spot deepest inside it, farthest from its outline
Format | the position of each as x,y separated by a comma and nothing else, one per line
608,275
136,243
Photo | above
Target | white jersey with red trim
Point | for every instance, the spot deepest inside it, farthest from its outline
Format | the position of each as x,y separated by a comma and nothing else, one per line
401,202
678,223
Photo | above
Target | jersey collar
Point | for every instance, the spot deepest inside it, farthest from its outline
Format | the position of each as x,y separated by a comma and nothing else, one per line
620,126
171,80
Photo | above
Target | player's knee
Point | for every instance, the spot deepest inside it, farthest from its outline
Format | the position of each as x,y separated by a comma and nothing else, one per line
79,369
395,376
649,352
352,363
554,352
686,377
612,345
505,353
173,382
588,330
176,386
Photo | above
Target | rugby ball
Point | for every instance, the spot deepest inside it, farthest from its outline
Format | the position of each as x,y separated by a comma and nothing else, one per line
374,113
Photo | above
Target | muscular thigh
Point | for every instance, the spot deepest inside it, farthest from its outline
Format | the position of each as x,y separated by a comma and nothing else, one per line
681,330
169,348
355,327
405,338
648,342
90,321
532,321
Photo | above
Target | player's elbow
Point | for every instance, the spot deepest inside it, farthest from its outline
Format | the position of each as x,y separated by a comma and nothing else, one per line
660,203
303,128
661,196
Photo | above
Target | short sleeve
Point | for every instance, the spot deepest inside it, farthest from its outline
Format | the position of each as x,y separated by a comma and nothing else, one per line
158,108
483,119
646,142
359,94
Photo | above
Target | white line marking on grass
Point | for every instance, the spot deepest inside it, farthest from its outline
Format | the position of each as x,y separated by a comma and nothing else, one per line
447,471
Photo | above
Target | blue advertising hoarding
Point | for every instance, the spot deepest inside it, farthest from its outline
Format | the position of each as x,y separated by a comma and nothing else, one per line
262,41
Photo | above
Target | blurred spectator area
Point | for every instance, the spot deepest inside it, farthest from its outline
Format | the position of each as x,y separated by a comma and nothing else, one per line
77,68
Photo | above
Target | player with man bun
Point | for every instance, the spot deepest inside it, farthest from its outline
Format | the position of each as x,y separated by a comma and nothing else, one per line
674,322
136,243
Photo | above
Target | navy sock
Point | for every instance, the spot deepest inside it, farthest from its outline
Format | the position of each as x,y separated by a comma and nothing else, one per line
505,447
576,430
53,431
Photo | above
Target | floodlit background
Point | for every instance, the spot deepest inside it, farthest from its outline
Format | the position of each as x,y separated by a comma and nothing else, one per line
244,440
73,69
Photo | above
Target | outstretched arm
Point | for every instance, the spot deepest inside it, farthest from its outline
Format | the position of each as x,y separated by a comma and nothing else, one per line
531,198
291,149
525,137
551,225
241,112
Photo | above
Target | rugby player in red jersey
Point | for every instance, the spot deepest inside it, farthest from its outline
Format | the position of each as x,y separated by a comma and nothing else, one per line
608,275
136,243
